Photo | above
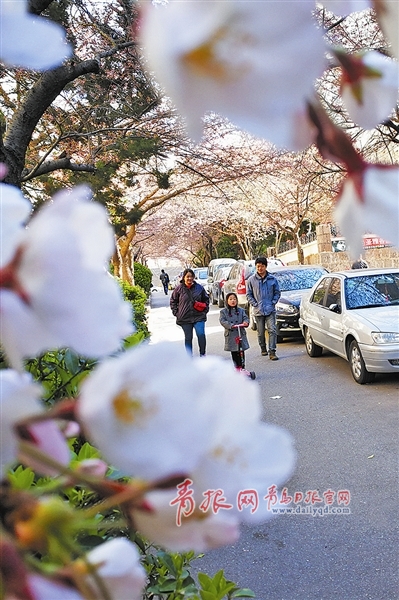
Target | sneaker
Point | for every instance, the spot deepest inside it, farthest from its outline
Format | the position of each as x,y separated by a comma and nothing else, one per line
264,352
273,356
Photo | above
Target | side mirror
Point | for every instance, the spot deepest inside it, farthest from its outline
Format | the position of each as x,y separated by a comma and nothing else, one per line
210,279
335,308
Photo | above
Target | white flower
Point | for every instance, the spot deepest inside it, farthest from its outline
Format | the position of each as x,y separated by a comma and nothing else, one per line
345,7
142,411
370,89
253,62
61,294
14,211
45,589
22,36
369,203
388,17
118,565
20,399
198,532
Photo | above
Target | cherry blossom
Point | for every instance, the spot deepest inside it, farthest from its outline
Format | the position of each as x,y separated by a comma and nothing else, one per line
15,209
118,565
142,411
47,589
369,87
56,291
198,532
19,400
22,36
253,62
369,202
388,17
345,7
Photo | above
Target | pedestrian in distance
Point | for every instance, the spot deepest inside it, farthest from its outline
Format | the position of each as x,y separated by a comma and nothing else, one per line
229,318
263,293
190,305
360,263
164,277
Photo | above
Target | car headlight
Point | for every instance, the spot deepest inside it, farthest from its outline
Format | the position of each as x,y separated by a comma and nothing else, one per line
287,308
385,338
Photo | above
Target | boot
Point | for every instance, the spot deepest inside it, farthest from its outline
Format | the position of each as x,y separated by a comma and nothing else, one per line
273,355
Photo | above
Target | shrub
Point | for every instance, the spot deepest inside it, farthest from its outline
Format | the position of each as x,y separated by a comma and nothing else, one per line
142,277
138,298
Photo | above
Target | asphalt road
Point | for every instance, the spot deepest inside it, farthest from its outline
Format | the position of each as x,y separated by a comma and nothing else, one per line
347,438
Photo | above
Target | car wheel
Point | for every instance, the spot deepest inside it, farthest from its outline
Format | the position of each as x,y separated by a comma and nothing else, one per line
213,299
220,302
311,348
358,368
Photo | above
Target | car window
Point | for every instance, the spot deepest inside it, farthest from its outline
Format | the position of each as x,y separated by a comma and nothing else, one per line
234,272
290,280
334,292
372,290
320,291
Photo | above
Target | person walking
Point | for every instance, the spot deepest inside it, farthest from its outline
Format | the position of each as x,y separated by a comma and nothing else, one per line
164,277
229,317
189,303
263,293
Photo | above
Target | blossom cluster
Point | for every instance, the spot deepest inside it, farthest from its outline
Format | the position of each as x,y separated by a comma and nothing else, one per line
258,63
146,410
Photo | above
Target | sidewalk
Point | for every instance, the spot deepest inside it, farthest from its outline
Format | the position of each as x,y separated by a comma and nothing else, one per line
162,324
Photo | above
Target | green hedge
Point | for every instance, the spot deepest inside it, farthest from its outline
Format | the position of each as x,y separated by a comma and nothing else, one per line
142,277
137,296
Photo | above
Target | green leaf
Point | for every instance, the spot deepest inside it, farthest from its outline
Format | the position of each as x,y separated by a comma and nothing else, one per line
244,593
21,478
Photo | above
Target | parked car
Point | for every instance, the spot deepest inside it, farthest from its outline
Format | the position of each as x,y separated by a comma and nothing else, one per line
216,287
295,282
217,263
236,281
201,276
355,314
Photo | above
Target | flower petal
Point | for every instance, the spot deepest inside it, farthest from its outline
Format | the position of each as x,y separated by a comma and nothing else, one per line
19,399
15,210
379,94
132,411
22,36
197,532
119,568
253,62
376,212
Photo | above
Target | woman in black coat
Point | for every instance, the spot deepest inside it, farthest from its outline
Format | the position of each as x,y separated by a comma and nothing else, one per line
190,304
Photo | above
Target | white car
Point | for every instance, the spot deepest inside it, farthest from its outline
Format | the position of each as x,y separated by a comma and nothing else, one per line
355,314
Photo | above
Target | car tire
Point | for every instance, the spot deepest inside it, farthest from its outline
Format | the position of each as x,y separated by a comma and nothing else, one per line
213,299
311,348
220,301
358,368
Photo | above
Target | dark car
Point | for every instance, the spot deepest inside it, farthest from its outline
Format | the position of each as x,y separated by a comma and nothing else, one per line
216,287
294,282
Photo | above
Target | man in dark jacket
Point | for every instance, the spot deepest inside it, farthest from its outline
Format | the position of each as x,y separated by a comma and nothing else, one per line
263,293
190,304
164,277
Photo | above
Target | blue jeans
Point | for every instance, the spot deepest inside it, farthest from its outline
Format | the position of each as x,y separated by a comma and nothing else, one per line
267,322
199,328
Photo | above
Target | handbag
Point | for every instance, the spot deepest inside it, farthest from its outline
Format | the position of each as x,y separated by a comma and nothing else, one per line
200,306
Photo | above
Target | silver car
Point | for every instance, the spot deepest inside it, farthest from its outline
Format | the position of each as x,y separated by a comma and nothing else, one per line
355,314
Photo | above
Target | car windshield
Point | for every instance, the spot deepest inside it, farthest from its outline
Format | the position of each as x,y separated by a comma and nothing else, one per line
366,291
290,280
203,274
